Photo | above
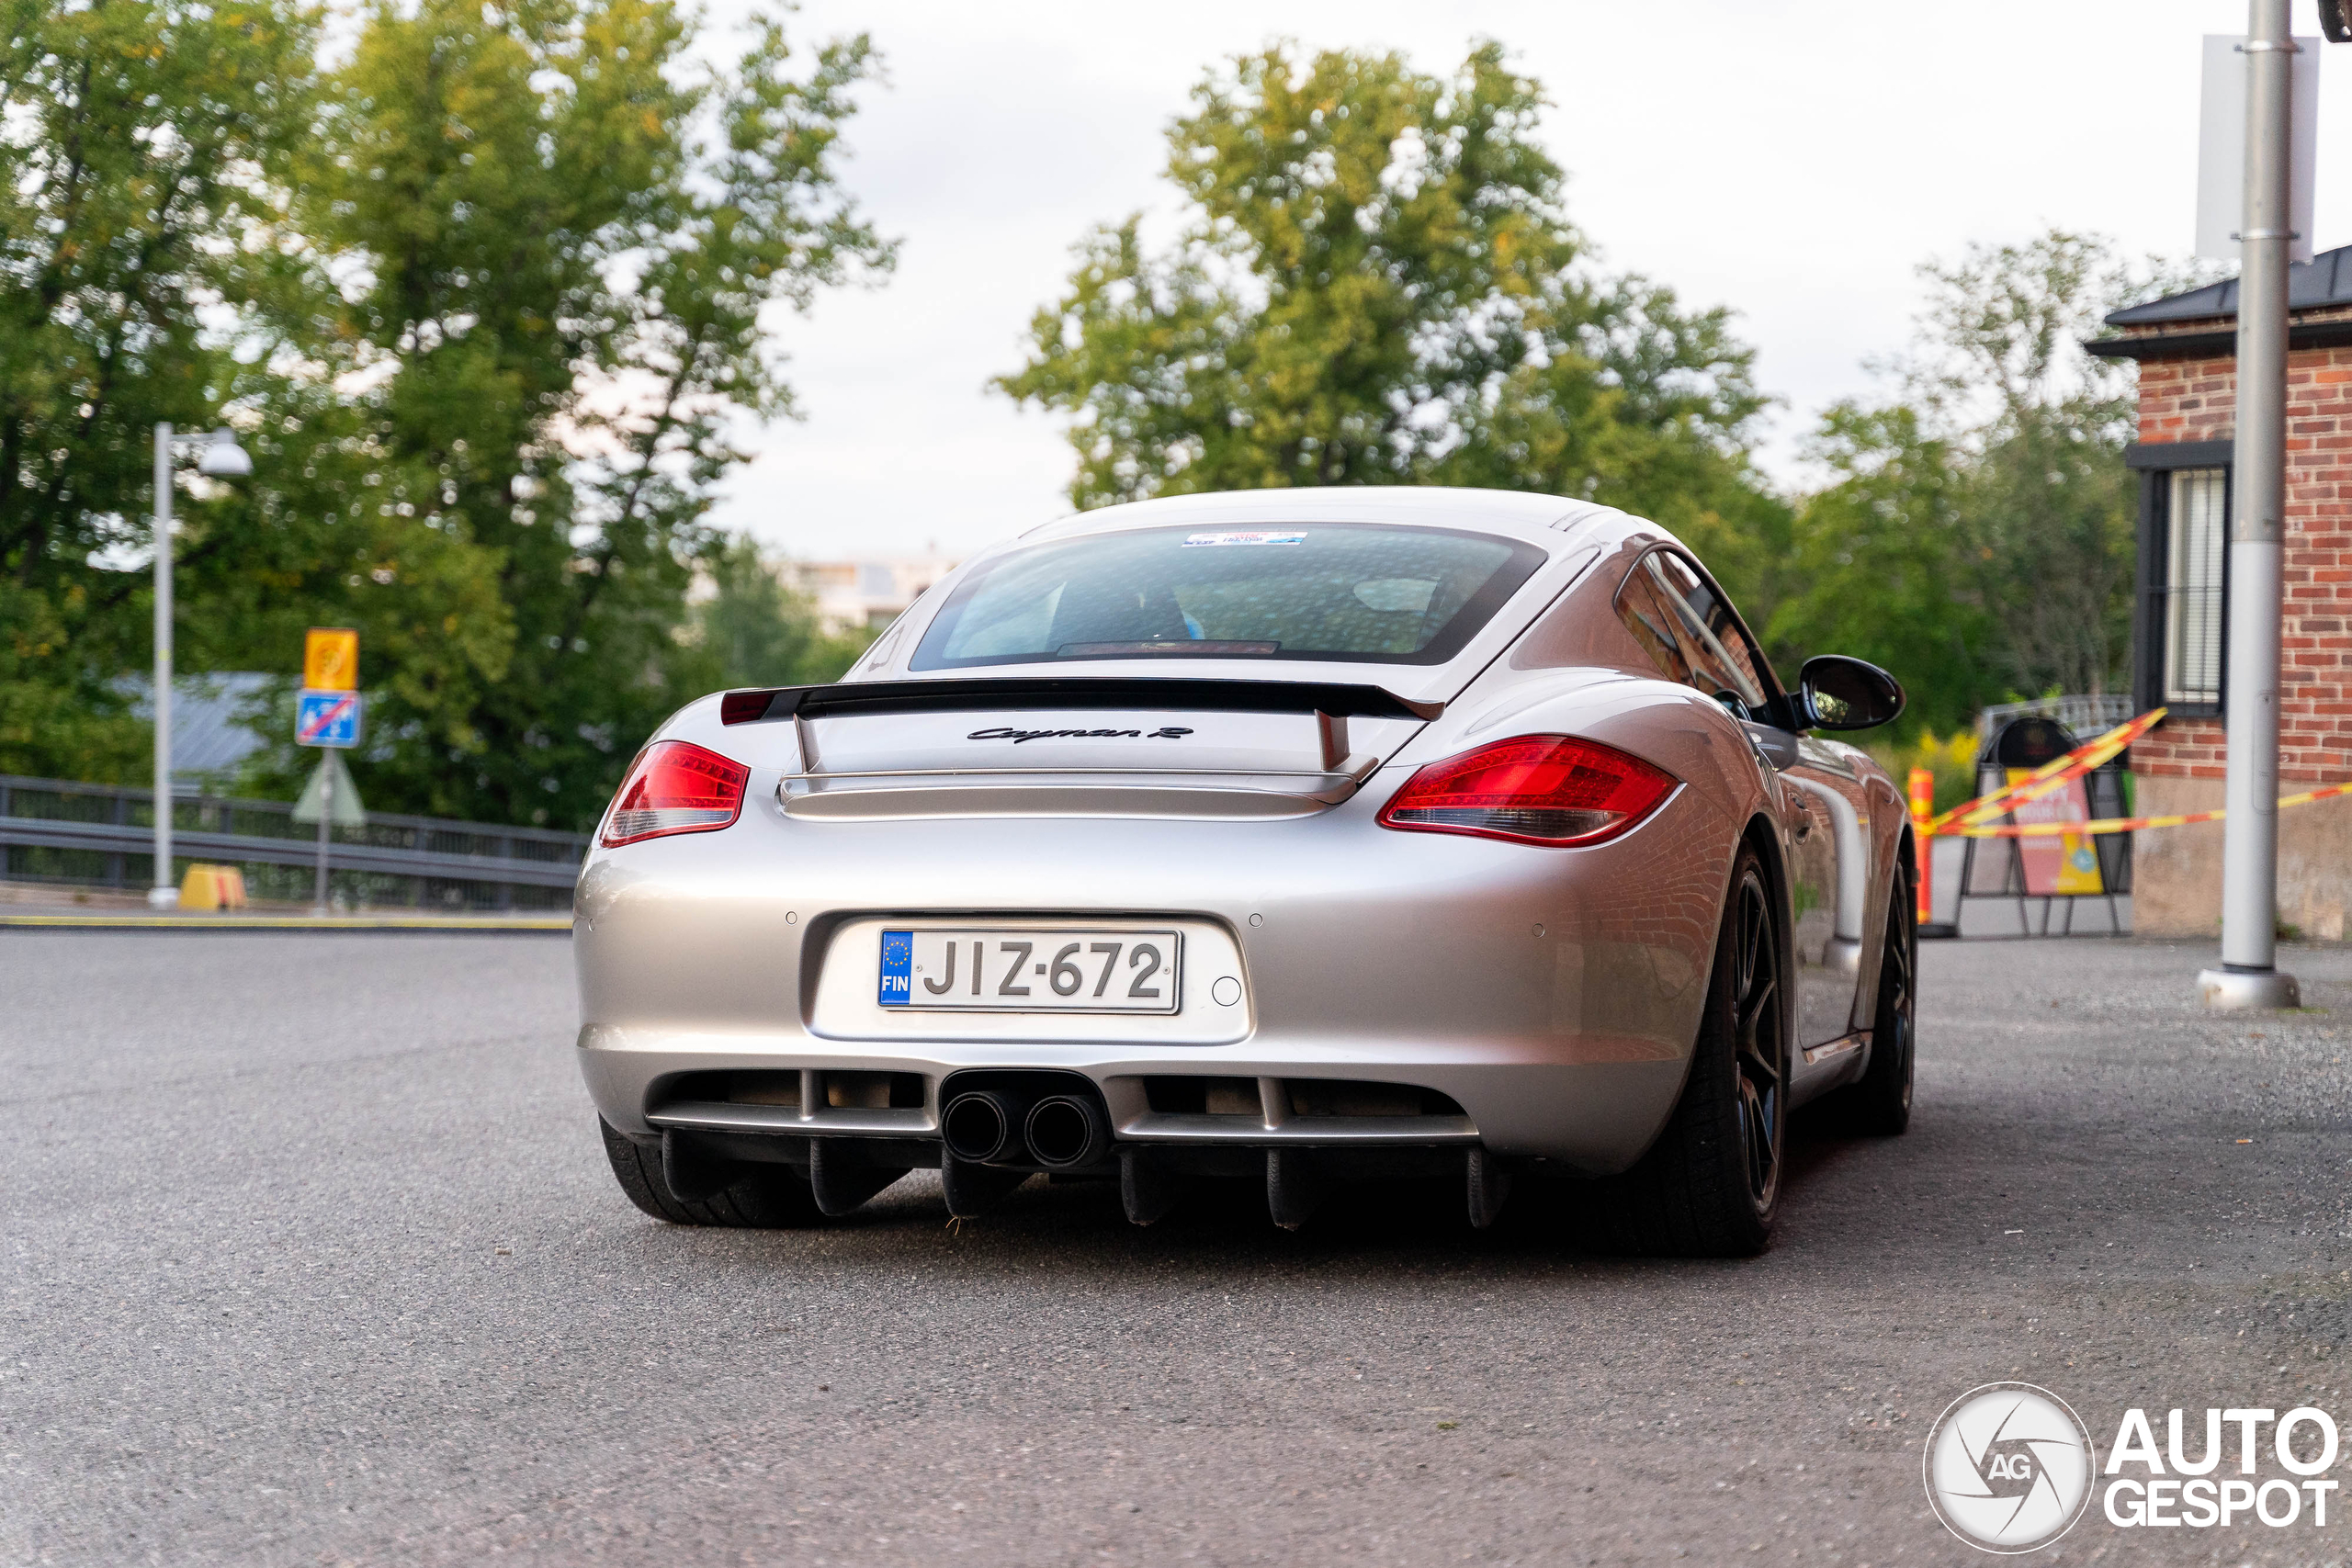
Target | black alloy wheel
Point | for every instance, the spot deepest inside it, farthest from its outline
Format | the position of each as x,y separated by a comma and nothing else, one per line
1878,1105
1760,1041
1710,1182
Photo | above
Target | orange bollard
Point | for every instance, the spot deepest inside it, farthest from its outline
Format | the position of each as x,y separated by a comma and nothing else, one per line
1923,840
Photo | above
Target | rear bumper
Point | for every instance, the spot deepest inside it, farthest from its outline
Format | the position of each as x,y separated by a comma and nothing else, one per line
1552,995
1590,1117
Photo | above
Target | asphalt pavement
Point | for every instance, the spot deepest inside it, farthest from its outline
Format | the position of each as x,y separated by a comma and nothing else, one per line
310,1257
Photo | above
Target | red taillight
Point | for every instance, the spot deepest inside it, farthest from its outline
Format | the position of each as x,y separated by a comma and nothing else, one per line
1538,789
674,787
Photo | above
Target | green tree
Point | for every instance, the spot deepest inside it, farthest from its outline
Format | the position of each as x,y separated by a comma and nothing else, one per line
754,630
2041,426
144,148
1977,535
548,241
1885,567
487,303
1375,282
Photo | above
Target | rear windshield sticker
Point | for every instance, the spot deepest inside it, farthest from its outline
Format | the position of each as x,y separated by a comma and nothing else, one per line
1253,538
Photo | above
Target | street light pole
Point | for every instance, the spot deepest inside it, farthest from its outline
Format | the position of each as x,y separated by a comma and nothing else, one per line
221,458
2249,976
163,893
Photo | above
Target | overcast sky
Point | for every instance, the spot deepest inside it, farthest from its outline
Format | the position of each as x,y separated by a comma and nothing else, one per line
1793,161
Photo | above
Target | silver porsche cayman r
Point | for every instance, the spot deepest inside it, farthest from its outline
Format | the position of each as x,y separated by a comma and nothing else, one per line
1301,836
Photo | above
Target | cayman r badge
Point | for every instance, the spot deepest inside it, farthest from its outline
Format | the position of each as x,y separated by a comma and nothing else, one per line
1166,732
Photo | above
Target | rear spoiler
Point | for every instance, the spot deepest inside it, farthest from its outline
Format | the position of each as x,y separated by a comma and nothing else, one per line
1338,700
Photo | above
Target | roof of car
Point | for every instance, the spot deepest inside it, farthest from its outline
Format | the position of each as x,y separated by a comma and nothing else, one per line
1514,512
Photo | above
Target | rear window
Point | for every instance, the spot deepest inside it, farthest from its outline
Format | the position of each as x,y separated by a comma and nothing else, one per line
1358,592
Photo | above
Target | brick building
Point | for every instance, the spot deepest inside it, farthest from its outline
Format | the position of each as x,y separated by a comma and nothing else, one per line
2185,345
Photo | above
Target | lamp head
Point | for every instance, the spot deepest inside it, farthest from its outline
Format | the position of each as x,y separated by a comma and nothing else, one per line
222,459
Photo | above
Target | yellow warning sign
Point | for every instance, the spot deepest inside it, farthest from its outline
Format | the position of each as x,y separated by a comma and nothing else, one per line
331,659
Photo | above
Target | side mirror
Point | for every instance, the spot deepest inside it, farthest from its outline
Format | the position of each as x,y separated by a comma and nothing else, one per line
1837,693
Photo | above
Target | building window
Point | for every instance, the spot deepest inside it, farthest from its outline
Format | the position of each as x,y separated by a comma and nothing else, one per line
2196,547
2180,617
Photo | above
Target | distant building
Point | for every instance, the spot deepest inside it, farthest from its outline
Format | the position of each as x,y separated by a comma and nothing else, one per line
2187,346
864,595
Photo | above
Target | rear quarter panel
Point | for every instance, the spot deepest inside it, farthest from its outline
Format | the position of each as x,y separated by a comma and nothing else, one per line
1636,942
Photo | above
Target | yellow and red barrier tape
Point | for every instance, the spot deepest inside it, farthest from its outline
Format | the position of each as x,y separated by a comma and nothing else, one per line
2127,824
2049,776
1973,819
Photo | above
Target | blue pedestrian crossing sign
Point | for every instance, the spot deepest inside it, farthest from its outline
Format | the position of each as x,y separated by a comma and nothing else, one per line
326,719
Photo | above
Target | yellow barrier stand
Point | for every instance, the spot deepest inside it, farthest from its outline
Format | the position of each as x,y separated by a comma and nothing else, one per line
212,887
1966,821
2049,777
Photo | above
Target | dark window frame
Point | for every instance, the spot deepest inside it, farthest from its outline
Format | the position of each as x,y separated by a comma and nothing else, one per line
2157,462
1776,691
1640,626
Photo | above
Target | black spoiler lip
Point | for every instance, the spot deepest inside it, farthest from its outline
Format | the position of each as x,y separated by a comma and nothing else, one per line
1338,699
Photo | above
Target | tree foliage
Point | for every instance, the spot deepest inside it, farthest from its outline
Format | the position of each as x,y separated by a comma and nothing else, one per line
486,301
1885,565
1977,534
1374,281
143,148
752,630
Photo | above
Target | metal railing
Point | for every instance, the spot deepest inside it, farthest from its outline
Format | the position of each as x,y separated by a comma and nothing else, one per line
102,835
2087,717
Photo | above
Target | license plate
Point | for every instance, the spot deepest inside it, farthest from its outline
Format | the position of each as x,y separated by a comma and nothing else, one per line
1030,971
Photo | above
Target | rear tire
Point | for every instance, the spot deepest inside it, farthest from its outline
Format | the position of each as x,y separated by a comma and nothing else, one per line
1710,1185
770,1197
1878,1105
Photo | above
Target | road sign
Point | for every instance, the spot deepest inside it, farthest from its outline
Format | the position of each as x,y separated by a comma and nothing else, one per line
326,719
332,792
331,659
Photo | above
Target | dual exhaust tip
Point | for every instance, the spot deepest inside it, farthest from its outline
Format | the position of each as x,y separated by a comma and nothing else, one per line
1060,1132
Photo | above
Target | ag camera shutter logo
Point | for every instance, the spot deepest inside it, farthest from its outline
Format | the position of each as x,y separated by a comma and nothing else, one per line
2008,1468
